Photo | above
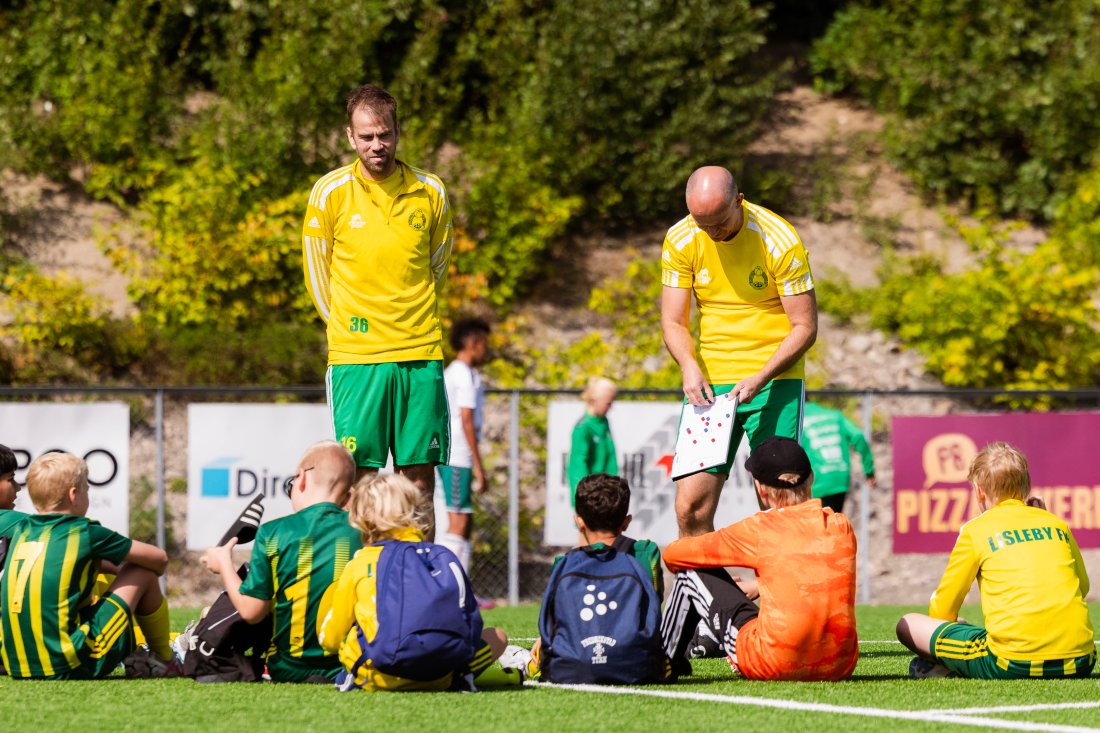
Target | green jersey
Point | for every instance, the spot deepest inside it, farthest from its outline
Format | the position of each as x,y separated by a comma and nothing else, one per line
49,577
828,437
294,561
592,451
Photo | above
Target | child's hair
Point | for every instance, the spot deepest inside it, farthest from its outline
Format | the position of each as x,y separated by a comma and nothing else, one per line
50,477
596,386
603,501
464,328
8,464
1001,472
381,504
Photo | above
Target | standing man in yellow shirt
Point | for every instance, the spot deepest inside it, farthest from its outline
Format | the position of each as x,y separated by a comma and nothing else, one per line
750,275
376,241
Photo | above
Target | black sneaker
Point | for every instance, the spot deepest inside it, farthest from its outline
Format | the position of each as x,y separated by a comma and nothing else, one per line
244,529
704,647
922,669
144,664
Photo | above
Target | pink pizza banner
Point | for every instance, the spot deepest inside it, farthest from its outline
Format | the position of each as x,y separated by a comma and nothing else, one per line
932,456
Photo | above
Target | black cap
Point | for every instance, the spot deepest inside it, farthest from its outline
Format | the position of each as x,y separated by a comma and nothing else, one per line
777,457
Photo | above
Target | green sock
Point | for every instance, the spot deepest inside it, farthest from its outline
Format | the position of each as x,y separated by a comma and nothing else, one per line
155,627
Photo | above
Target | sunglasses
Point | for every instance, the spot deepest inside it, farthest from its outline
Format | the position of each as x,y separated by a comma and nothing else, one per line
288,485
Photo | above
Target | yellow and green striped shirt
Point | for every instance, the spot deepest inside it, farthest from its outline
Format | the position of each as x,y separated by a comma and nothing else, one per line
738,286
374,254
294,561
49,576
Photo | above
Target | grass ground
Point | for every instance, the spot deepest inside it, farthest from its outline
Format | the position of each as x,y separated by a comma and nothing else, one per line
878,696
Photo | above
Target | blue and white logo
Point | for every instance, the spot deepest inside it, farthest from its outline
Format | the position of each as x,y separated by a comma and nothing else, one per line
216,477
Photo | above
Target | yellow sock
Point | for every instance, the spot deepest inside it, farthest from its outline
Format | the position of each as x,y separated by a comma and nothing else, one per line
497,676
155,628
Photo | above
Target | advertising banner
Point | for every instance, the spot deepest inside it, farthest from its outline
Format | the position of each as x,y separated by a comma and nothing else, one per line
98,432
645,438
237,451
932,456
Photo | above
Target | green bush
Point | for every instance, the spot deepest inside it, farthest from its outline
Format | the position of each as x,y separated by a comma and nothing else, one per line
1018,320
988,99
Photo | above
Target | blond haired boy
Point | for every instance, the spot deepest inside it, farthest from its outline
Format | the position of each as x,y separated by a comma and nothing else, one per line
1032,581
51,627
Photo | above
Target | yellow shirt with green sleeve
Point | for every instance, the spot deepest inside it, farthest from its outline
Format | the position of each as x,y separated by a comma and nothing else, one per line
738,286
374,254
1032,581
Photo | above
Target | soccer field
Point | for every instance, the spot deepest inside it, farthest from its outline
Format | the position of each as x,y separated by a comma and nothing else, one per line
878,696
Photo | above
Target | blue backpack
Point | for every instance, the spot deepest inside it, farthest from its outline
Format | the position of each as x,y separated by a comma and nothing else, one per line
428,621
601,619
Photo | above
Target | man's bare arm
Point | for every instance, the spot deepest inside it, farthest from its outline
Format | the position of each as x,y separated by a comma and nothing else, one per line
676,329
801,311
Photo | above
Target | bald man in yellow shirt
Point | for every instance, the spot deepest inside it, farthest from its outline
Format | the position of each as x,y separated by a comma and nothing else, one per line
750,275
376,241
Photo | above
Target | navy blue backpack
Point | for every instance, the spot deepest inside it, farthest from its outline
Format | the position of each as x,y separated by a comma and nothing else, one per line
428,621
601,619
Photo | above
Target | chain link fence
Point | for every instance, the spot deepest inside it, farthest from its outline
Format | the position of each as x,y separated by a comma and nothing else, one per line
510,560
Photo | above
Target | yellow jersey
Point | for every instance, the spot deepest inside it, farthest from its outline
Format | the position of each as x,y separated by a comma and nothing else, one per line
738,286
374,254
1032,581
352,600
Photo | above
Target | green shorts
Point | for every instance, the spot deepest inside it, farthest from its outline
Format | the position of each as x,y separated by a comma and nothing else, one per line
456,482
398,408
963,649
104,638
775,410
284,668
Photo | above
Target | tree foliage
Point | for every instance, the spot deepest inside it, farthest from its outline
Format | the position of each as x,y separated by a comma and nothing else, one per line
988,99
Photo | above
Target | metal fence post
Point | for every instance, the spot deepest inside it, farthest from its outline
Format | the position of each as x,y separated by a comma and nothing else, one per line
513,502
158,418
865,513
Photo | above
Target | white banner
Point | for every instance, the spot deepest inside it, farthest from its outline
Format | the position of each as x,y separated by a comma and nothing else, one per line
645,437
237,451
97,432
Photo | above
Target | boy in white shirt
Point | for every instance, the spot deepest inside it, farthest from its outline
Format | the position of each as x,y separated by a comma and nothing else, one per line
464,475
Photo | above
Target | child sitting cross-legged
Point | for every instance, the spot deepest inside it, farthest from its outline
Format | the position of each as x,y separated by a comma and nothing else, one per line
1032,581
804,556
51,626
403,615
600,616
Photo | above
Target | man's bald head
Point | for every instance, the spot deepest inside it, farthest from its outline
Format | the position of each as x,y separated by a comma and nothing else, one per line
715,203
710,190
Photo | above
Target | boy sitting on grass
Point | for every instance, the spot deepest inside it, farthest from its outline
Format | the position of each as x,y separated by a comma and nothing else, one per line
1032,581
601,506
805,562
51,629
294,561
375,620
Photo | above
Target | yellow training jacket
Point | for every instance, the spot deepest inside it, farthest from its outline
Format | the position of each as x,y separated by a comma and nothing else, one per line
374,255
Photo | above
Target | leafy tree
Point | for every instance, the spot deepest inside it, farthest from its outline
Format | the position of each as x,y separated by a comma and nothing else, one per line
988,98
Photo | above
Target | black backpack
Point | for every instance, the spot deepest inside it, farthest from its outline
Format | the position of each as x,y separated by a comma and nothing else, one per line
223,647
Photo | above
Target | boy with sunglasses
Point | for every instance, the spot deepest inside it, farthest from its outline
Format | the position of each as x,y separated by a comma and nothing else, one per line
294,561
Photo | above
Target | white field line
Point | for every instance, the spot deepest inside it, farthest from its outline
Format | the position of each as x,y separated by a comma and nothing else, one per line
1021,708
930,716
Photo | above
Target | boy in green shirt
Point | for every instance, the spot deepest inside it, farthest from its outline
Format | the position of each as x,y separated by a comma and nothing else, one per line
592,449
294,561
50,626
